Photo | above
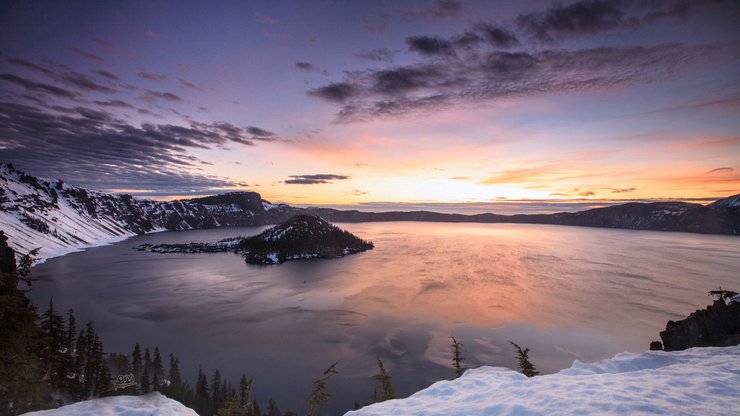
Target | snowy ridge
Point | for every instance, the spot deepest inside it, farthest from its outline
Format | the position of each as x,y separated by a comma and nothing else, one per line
730,201
697,381
60,218
152,404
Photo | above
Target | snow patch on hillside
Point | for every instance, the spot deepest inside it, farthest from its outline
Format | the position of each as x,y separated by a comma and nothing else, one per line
691,382
152,404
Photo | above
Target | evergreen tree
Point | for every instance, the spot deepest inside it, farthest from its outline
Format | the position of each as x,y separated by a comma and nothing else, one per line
245,392
319,396
89,370
272,408
457,358
21,341
384,379
69,359
175,389
144,384
103,382
202,399
78,388
136,364
148,361
232,408
52,325
158,370
217,399
525,365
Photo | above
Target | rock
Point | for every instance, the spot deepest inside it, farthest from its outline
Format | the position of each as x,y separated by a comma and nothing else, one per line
656,346
716,326
7,255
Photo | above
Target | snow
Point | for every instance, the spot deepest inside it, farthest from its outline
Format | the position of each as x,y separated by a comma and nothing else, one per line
691,382
152,404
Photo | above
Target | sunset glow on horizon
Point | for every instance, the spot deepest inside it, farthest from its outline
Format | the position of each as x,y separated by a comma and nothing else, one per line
352,103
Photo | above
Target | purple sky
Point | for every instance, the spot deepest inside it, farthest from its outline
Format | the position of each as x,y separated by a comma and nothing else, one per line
349,102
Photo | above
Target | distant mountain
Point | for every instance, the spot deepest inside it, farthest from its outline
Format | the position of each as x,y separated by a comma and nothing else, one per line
656,216
60,218
300,237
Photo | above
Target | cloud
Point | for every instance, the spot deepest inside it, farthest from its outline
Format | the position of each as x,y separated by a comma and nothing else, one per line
337,92
497,36
114,103
307,66
440,83
583,17
721,170
151,76
378,55
188,84
582,192
158,95
429,45
314,179
88,55
31,65
109,75
83,82
622,190
357,192
100,150
260,133
263,18
592,16
443,9
37,87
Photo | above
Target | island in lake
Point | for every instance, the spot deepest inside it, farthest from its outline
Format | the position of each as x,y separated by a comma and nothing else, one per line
300,237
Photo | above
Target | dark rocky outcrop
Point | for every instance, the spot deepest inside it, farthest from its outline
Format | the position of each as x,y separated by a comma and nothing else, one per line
7,255
300,237
716,326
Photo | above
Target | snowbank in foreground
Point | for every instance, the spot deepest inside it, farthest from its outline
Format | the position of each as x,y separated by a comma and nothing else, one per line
152,404
691,382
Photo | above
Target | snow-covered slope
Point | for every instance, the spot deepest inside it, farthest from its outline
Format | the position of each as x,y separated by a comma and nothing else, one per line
730,201
152,404
698,381
59,218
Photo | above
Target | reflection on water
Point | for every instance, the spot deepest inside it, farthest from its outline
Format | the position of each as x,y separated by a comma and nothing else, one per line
567,293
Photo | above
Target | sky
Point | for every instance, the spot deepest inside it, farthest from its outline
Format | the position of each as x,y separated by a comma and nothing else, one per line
376,103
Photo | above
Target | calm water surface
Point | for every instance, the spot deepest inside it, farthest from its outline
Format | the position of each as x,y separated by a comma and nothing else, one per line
565,292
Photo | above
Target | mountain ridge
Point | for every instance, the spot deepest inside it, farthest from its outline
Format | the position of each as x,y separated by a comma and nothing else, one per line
61,218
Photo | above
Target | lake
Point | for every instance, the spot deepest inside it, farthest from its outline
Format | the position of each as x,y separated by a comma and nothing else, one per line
565,292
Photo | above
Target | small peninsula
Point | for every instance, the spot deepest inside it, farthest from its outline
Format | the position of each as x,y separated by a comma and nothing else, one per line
300,237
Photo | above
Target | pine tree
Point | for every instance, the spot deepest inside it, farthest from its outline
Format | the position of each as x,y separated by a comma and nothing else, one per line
103,382
21,341
89,370
144,384
175,389
158,370
148,361
272,408
525,365
69,360
217,399
384,379
202,399
457,358
232,408
245,391
319,396
52,325
136,364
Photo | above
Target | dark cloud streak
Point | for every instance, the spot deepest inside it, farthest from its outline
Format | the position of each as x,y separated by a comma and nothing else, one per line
315,179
